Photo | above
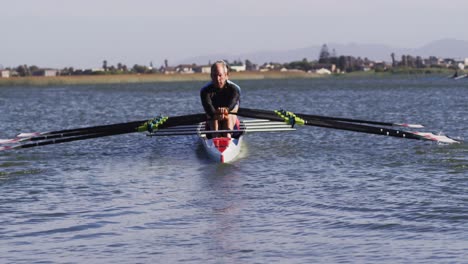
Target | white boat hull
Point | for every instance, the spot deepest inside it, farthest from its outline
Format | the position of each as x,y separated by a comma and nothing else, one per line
222,149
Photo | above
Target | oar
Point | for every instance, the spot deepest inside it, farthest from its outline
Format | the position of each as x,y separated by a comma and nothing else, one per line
349,120
67,139
272,115
34,136
61,136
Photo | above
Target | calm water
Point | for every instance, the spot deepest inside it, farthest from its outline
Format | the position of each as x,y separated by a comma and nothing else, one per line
313,195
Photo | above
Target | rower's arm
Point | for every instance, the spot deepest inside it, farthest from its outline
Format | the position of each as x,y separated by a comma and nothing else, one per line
207,103
235,99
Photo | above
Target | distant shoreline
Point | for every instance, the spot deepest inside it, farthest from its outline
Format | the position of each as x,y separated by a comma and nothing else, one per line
198,77
145,78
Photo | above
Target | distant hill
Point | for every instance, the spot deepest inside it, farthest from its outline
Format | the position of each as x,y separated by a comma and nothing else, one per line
444,48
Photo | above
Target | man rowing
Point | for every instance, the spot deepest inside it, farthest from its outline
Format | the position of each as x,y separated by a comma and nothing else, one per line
219,98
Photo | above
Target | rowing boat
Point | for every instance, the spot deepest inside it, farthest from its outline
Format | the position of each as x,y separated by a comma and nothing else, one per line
221,149
460,77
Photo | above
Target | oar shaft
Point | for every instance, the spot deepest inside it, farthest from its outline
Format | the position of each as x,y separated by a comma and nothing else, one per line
342,119
349,120
101,128
70,139
362,128
68,135
332,124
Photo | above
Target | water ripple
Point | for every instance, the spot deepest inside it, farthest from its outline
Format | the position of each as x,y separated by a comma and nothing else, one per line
313,196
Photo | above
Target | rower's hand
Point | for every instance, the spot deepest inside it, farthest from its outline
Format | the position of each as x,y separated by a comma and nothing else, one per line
220,114
223,113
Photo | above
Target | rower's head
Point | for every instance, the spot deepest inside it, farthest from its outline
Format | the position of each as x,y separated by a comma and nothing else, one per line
219,73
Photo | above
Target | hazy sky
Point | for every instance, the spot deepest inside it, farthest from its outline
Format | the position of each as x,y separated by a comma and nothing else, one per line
62,33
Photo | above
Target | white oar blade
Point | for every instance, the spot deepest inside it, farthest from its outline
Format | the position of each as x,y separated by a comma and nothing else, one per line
20,137
438,138
13,140
410,125
28,135
8,141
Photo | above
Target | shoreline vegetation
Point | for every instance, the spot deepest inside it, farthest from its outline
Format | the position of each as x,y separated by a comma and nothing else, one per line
145,78
161,77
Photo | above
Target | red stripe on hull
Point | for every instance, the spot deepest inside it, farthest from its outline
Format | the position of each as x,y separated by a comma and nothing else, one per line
221,143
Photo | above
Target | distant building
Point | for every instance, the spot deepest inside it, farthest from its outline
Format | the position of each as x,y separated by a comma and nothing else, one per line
237,68
98,70
50,72
206,69
4,73
185,68
202,69
45,72
432,60
266,67
168,70
466,62
449,61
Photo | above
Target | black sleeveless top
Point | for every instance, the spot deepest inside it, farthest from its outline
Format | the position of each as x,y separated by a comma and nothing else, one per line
213,97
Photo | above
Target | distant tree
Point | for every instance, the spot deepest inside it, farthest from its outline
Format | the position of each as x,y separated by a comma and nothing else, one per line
34,70
404,61
302,65
433,60
112,69
380,67
411,61
78,72
349,63
367,61
324,54
342,63
67,71
104,65
393,59
249,65
140,68
23,70
419,62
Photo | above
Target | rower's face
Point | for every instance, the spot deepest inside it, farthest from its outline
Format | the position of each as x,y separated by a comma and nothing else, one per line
219,77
